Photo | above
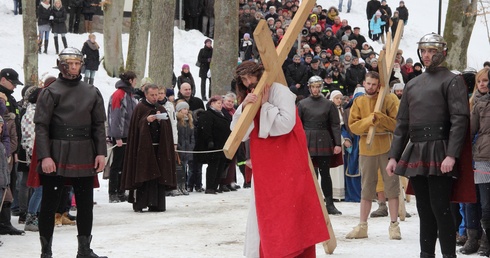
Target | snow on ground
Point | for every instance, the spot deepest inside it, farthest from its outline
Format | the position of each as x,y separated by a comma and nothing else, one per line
207,225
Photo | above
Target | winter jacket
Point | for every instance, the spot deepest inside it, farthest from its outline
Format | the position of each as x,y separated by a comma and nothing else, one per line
371,8
204,57
354,76
375,25
246,46
360,40
480,124
88,7
296,73
213,131
193,8
329,42
186,140
76,3
91,52
402,13
194,103
208,9
322,72
187,77
43,14
59,25
120,110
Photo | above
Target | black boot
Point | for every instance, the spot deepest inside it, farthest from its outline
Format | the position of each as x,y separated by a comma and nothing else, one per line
65,45
56,46
331,207
85,79
426,255
471,245
46,46
449,256
91,81
46,247
84,250
39,51
484,246
485,224
6,227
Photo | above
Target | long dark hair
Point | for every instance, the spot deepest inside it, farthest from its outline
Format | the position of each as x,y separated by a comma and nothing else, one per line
246,68
126,76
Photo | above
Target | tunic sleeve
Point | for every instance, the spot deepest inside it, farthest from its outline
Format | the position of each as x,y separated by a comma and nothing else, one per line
400,135
236,117
42,119
278,114
98,125
458,116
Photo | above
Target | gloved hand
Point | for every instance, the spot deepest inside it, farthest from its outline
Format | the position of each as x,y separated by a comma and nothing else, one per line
210,145
51,17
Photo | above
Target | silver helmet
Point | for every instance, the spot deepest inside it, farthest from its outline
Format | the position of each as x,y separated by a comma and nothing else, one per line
434,41
315,80
69,53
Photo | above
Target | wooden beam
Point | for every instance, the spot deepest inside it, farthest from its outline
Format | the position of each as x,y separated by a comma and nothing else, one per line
385,67
269,76
267,50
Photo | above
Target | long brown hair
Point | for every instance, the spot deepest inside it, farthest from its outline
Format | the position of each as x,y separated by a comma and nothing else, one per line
246,68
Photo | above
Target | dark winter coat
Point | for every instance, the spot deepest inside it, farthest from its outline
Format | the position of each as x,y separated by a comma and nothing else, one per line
246,46
194,103
322,72
296,73
354,75
208,8
371,8
43,15
120,109
193,8
59,25
402,13
213,131
91,53
76,3
329,42
359,38
204,57
187,77
88,7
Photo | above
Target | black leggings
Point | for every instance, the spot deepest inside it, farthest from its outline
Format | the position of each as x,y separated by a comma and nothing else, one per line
52,191
323,163
433,196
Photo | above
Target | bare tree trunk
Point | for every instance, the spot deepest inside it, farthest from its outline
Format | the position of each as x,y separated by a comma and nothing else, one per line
29,24
460,20
113,57
225,45
161,65
138,37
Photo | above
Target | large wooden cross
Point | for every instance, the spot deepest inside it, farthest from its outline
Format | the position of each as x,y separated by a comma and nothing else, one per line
385,66
272,60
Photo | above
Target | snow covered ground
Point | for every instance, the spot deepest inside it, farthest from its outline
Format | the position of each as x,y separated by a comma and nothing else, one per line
207,225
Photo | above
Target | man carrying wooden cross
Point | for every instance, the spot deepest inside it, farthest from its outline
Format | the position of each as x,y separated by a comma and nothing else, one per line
286,218
375,157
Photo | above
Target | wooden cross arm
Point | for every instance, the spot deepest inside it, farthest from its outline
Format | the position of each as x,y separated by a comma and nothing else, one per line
269,76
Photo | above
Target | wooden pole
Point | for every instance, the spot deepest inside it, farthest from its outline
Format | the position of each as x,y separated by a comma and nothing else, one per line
385,62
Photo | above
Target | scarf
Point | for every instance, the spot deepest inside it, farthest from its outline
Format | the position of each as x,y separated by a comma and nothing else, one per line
93,46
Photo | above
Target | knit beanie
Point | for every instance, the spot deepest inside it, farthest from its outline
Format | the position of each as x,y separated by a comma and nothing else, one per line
181,105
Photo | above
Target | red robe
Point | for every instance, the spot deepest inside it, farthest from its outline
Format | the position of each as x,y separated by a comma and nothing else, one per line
290,218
